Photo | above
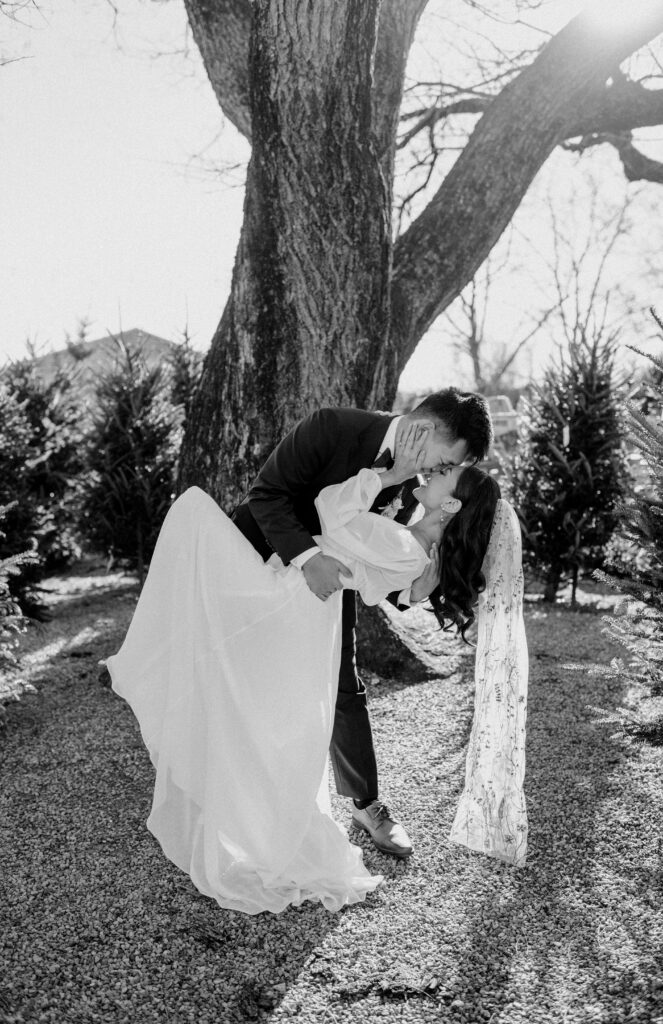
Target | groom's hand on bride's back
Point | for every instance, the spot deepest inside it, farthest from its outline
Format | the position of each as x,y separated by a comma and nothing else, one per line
322,574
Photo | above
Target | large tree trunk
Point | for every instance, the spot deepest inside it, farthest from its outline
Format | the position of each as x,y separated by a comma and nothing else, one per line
308,316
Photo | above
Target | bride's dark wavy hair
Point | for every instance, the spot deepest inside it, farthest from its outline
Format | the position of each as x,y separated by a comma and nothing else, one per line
462,550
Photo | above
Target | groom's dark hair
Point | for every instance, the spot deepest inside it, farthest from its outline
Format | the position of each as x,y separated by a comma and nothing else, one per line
465,415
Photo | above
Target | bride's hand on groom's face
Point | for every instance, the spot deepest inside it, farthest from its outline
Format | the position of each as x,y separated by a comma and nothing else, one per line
322,574
410,453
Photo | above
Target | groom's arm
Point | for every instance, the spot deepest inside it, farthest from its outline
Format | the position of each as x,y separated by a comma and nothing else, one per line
294,465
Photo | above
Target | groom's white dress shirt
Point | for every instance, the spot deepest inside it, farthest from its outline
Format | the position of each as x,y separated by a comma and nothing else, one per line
389,442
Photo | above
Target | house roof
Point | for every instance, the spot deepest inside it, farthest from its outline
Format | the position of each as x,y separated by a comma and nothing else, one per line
85,362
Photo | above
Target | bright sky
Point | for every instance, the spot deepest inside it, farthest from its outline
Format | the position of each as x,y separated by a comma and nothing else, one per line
102,216
103,212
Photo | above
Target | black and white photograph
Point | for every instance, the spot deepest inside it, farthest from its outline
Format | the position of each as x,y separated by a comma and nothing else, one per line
331,512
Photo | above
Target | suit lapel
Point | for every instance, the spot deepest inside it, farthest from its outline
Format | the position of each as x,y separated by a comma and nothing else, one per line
363,453
362,456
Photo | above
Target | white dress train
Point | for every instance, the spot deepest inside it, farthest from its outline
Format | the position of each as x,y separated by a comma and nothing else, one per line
231,668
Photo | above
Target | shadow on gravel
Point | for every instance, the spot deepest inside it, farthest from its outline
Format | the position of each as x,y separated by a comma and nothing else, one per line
257,959
579,921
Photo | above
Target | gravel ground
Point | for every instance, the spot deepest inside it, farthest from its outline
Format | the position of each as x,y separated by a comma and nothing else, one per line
98,927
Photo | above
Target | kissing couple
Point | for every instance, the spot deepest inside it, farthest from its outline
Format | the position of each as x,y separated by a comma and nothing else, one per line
239,663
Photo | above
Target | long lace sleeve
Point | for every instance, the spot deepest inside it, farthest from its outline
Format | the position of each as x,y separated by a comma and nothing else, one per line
492,814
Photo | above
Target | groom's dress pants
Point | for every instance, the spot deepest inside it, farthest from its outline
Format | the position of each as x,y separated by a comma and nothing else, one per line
351,749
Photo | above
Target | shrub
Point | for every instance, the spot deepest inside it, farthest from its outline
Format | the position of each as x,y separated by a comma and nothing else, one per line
639,627
131,458
12,623
49,482
186,368
21,515
567,477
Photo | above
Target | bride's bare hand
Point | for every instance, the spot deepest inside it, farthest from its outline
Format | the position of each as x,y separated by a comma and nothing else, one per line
410,453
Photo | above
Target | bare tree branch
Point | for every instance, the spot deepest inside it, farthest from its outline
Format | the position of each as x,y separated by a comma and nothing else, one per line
617,106
621,105
442,249
637,166
490,360
469,105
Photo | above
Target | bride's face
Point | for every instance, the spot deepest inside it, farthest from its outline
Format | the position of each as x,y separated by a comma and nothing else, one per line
439,487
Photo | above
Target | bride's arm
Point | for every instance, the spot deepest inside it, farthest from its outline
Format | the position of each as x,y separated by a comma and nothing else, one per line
339,503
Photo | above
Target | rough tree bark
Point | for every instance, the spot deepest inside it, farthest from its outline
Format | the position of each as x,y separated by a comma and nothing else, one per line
307,321
222,31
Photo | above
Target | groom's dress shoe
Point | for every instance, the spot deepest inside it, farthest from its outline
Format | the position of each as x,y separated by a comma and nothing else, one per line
388,835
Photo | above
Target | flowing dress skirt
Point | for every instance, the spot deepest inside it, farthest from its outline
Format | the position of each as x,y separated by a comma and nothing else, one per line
231,668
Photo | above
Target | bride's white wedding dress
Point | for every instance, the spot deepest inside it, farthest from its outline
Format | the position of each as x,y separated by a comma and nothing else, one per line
231,668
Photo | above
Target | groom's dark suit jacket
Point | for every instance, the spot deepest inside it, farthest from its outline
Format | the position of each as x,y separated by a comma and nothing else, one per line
278,514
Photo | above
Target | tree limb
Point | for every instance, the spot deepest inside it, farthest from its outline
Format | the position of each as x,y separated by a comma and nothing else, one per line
222,30
617,106
396,28
637,166
443,248
468,105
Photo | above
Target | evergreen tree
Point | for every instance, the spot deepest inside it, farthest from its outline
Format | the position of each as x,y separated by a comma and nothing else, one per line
49,481
567,477
132,454
186,365
21,519
12,621
639,627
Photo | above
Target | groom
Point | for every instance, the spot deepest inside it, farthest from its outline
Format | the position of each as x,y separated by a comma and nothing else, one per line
278,515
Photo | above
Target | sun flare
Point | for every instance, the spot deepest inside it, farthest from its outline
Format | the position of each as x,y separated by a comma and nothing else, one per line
616,15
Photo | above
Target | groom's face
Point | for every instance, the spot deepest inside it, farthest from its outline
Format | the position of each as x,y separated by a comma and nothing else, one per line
441,451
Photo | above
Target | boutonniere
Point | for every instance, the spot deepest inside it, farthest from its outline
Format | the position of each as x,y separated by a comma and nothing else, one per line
393,508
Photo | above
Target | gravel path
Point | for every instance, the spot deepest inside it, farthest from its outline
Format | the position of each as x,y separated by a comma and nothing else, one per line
96,926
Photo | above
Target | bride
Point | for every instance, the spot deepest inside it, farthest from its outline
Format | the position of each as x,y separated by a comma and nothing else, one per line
230,665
